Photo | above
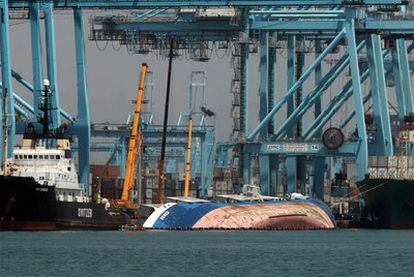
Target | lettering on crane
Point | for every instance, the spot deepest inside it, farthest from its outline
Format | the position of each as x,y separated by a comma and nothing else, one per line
314,147
295,147
273,147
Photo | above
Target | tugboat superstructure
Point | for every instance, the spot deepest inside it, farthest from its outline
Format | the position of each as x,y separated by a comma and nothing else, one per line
39,188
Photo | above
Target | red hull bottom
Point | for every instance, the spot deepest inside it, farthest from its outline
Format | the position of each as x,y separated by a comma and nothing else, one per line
293,222
281,223
51,226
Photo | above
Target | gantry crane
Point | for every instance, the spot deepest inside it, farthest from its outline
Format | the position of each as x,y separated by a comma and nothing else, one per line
134,148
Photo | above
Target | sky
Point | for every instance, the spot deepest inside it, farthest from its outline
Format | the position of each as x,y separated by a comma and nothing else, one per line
113,76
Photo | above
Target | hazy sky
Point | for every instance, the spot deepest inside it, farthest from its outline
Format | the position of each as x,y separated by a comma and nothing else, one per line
113,77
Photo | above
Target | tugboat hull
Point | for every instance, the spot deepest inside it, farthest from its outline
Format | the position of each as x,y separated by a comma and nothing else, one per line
29,206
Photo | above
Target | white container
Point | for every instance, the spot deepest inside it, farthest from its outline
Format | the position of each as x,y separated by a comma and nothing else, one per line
403,173
373,172
148,193
382,173
392,161
392,173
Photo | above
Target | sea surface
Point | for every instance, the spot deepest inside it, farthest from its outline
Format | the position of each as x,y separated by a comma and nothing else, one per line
208,253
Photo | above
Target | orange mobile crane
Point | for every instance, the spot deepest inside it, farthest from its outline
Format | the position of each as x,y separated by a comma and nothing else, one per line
134,148
188,161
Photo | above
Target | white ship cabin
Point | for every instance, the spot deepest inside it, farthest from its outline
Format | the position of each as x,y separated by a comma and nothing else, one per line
51,167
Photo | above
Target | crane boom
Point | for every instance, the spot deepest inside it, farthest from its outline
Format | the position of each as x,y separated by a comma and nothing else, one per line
161,161
188,162
134,147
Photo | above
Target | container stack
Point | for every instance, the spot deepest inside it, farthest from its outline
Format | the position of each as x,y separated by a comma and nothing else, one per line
222,182
178,186
149,185
395,167
173,185
111,185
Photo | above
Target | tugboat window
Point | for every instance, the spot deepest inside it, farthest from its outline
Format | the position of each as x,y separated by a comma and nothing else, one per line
41,157
16,157
57,157
25,157
30,157
35,157
20,157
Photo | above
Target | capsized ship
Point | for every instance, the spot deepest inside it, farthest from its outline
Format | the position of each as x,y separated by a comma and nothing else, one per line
39,189
248,211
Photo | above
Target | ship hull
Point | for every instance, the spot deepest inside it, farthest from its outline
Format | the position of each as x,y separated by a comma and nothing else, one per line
28,206
267,215
389,203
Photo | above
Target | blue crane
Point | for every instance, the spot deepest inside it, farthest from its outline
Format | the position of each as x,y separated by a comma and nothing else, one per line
256,26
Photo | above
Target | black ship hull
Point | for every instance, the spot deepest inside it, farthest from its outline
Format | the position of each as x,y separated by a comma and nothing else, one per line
389,203
29,206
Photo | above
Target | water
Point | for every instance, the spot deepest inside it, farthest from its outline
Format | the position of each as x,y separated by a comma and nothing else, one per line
157,253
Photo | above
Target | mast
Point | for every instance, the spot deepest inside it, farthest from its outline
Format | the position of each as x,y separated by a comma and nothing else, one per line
45,108
6,134
160,196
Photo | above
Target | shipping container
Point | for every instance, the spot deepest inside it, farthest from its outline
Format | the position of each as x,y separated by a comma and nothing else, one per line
392,162
403,173
392,173
372,161
410,173
148,193
402,162
382,161
382,173
373,172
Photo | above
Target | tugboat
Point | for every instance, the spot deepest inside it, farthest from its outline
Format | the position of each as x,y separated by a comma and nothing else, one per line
39,188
